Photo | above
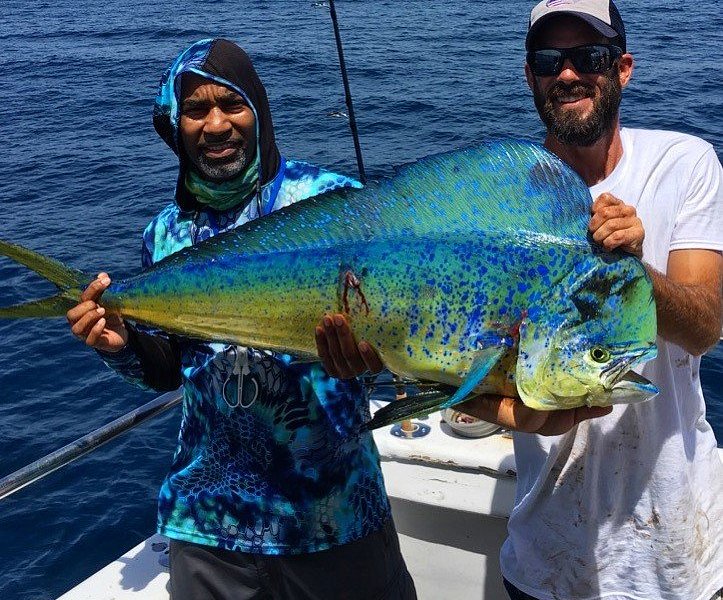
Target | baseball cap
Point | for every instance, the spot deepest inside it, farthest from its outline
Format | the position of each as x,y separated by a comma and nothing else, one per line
603,15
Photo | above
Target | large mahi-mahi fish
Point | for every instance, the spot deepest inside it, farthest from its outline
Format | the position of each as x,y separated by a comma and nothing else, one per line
471,269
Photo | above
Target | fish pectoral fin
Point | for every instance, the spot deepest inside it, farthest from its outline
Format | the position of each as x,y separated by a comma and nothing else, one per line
483,363
416,405
430,400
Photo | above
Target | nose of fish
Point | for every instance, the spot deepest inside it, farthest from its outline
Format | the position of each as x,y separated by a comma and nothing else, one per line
631,388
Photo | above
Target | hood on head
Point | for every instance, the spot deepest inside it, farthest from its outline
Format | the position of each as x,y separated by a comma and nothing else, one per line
222,62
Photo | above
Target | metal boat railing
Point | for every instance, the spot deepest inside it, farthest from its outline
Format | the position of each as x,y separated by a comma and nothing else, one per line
89,442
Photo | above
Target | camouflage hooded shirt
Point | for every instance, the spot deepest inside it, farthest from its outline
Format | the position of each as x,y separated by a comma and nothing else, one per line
269,457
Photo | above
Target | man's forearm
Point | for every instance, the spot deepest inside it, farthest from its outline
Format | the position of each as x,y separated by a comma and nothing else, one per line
689,315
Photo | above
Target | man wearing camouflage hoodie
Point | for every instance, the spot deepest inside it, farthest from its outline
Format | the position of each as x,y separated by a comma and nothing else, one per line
272,493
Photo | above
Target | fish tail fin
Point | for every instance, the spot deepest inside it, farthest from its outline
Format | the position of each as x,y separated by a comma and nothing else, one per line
70,283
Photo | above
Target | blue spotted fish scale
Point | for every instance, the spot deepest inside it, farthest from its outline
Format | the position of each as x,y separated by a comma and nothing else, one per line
470,268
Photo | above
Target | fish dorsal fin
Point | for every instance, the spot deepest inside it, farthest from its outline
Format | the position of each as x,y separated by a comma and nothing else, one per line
497,187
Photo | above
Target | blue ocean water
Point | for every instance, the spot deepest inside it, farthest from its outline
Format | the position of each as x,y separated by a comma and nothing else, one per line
83,173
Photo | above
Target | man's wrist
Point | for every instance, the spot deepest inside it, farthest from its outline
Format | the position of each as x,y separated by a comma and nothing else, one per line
124,349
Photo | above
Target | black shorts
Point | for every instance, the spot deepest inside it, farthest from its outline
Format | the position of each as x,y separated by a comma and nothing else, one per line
371,568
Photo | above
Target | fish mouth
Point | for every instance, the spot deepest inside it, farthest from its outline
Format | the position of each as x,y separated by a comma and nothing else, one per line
624,385
632,388
629,388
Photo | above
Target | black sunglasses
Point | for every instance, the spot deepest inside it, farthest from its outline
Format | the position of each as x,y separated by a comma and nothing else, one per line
593,58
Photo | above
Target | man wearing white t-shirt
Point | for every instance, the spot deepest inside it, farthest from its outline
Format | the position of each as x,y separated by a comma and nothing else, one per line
628,505
622,503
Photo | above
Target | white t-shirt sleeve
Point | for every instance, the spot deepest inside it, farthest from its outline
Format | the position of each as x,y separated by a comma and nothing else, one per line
699,223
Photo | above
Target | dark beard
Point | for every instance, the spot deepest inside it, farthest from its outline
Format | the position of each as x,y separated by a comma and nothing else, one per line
223,169
566,126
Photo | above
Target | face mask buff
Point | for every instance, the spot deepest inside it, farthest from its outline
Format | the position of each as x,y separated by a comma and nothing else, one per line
226,194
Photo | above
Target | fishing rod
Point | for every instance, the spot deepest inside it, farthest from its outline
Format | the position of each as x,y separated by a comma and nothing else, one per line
347,91
89,442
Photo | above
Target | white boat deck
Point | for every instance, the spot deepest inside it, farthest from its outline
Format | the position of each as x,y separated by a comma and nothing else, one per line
450,496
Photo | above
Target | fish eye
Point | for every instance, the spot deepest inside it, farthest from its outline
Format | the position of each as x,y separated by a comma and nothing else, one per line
599,354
